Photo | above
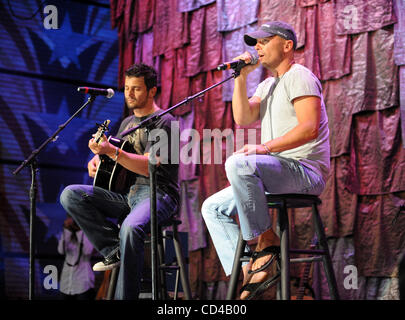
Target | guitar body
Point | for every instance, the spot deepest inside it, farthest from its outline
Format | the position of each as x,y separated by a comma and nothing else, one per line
110,174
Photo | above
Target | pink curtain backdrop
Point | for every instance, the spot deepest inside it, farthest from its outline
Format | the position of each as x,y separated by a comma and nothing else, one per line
356,49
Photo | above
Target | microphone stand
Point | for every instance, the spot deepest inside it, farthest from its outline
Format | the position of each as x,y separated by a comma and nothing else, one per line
152,181
32,162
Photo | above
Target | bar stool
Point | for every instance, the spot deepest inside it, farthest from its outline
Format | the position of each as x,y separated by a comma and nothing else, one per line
179,267
282,202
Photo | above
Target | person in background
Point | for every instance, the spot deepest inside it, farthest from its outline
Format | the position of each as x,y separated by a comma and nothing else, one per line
77,278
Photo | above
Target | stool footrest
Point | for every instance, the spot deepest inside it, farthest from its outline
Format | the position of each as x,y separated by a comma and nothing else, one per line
320,253
308,251
310,259
169,267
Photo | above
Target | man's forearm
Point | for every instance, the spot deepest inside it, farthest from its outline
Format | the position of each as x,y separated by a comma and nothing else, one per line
134,162
243,114
298,136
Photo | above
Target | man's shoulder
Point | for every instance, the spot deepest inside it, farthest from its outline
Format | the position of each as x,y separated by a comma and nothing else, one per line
299,74
166,118
299,69
127,119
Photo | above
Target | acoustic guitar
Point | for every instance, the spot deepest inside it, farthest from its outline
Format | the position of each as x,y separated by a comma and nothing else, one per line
110,175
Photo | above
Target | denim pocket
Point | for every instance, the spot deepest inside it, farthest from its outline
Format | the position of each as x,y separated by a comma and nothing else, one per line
137,193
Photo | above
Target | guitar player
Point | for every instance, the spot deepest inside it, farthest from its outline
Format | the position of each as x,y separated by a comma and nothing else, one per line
99,212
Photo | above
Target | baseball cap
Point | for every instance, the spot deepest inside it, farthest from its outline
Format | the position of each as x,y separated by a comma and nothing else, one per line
270,29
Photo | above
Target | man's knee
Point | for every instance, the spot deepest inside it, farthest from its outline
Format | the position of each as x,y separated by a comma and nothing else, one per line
217,205
69,194
208,207
240,165
132,232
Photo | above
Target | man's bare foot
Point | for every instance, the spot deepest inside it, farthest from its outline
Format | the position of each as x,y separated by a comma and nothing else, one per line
245,270
268,238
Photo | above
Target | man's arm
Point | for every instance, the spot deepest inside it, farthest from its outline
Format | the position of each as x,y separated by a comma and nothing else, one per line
245,110
92,166
131,161
308,111
134,162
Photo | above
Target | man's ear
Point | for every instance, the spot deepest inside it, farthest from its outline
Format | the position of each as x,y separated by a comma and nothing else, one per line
152,92
288,45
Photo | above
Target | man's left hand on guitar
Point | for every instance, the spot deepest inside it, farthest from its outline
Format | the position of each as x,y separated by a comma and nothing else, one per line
103,147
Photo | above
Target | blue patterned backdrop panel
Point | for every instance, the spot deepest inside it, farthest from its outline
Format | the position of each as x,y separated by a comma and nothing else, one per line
41,69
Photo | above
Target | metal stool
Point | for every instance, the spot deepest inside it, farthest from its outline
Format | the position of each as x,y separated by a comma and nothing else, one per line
282,202
179,267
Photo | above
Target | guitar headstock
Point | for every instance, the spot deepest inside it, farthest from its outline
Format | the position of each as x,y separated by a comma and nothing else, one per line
102,128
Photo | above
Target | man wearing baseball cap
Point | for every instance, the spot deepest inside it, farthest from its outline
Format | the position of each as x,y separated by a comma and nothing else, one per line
293,156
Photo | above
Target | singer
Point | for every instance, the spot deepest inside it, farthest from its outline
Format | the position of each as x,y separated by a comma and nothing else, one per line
293,156
93,207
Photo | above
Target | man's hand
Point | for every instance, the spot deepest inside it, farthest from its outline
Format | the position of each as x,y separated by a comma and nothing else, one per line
247,57
251,149
245,111
92,166
103,147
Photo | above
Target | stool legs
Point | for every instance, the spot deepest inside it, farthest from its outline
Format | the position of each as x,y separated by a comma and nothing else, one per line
236,267
161,273
162,277
280,202
181,262
326,259
284,253
112,284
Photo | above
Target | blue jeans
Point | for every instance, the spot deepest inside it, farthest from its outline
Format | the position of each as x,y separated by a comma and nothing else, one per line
251,177
94,208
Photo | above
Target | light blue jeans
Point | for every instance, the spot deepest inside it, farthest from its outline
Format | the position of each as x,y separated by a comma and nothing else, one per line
93,209
251,177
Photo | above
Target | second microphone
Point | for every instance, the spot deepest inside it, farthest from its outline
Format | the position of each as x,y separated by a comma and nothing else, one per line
97,91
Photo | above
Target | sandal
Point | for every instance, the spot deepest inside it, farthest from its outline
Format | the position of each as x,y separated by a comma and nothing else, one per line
271,250
257,288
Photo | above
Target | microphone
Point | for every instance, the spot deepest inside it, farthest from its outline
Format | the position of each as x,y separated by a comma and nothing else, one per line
97,91
237,63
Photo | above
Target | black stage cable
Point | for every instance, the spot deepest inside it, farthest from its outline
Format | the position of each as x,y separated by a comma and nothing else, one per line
25,18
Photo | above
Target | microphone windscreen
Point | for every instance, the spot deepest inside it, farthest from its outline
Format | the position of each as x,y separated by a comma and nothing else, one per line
110,93
255,59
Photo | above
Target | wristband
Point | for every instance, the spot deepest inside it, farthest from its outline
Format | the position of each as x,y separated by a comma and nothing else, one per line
267,149
117,153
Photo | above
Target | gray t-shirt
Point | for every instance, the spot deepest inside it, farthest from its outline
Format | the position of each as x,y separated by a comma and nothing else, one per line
277,115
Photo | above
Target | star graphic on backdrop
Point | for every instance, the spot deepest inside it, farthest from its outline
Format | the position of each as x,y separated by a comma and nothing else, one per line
65,44
71,132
